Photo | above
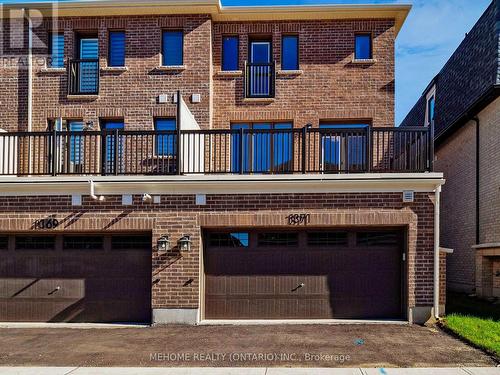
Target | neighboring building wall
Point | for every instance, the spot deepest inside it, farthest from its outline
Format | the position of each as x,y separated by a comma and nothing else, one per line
330,87
489,181
469,73
132,94
456,158
178,214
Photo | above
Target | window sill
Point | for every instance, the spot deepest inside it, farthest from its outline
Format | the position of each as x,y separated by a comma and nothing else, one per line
114,69
53,70
290,72
230,73
171,68
82,97
259,100
364,61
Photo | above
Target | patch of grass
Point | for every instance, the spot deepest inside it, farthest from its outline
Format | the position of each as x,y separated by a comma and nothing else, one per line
474,320
485,333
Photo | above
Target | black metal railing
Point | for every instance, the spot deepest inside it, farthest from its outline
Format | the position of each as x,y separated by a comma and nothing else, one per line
83,77
242,151
260,80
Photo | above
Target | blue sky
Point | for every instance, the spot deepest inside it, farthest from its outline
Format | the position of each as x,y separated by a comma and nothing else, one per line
433,30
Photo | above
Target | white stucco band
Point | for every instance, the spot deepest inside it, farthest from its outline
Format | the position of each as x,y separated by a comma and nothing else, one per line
221,184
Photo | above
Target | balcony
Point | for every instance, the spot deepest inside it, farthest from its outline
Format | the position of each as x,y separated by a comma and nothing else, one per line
83,77
242,151
260,80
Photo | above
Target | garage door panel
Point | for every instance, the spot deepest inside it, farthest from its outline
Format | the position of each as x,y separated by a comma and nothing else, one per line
87,285
298,280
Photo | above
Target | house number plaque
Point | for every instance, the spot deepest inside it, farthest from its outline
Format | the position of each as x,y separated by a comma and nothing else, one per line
299,219
47,223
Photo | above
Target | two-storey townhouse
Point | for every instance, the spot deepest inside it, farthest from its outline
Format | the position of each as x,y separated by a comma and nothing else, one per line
462,101
185,162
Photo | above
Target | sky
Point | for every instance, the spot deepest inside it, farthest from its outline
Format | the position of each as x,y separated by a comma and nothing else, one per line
432,32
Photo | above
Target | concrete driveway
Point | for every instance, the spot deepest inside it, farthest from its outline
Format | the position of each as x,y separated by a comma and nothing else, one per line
233,346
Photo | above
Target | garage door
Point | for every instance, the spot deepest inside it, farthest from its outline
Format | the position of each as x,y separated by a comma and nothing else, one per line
304,275
75,278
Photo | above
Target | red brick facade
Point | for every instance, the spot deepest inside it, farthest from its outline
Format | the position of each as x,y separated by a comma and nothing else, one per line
330,86
178,214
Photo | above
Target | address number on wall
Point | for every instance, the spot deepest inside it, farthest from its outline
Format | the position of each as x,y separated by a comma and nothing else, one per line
298,219
48,223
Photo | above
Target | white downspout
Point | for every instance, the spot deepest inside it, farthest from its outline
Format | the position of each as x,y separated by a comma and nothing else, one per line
436,251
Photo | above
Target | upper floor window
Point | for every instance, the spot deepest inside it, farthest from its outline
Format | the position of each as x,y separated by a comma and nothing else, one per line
430,106
116,51
56,50
230,53
165,143
363,48
172,48
290,52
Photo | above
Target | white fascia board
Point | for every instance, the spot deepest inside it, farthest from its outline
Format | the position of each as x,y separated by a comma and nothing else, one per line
222,184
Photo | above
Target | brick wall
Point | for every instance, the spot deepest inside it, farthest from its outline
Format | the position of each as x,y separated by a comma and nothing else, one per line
178,214
458,223
331,87
132,94
489,191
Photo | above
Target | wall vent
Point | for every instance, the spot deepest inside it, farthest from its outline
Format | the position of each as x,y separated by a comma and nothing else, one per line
408,196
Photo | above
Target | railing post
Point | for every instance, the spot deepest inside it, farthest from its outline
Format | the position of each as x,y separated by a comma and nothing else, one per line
304,148
431,147
368,149
115,152
241,151
178,128
54,151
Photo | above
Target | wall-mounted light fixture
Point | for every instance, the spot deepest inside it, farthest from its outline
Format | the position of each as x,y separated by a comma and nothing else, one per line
163,243
185,243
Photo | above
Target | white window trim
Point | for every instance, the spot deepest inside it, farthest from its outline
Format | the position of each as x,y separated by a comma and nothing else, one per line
430,94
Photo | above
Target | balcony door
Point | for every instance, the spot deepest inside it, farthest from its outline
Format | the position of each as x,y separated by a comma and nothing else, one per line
89,66
260,68
113,147
343,147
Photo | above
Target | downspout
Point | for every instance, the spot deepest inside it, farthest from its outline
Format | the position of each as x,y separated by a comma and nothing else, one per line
476,120
436,251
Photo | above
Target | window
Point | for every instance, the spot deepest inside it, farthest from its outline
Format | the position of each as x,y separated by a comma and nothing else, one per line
131,242
262,151
278,239
431,106
172,52
56,50
290,52
116,52
4,242
83,243
377,238
363,49
165,143
109,145
327,239
230,53
35,243
229,239
343,146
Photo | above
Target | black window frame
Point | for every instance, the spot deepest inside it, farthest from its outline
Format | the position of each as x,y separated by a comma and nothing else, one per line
237,37
298,51
358,34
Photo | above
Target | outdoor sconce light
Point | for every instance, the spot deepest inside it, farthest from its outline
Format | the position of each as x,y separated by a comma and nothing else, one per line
185,243
163,243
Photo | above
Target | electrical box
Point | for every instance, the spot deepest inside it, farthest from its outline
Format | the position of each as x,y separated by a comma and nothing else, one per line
196,98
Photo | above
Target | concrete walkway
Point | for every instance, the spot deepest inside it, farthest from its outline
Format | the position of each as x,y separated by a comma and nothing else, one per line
242,371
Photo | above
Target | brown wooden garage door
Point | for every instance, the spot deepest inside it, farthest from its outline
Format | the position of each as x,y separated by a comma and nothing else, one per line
304,275
75,278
